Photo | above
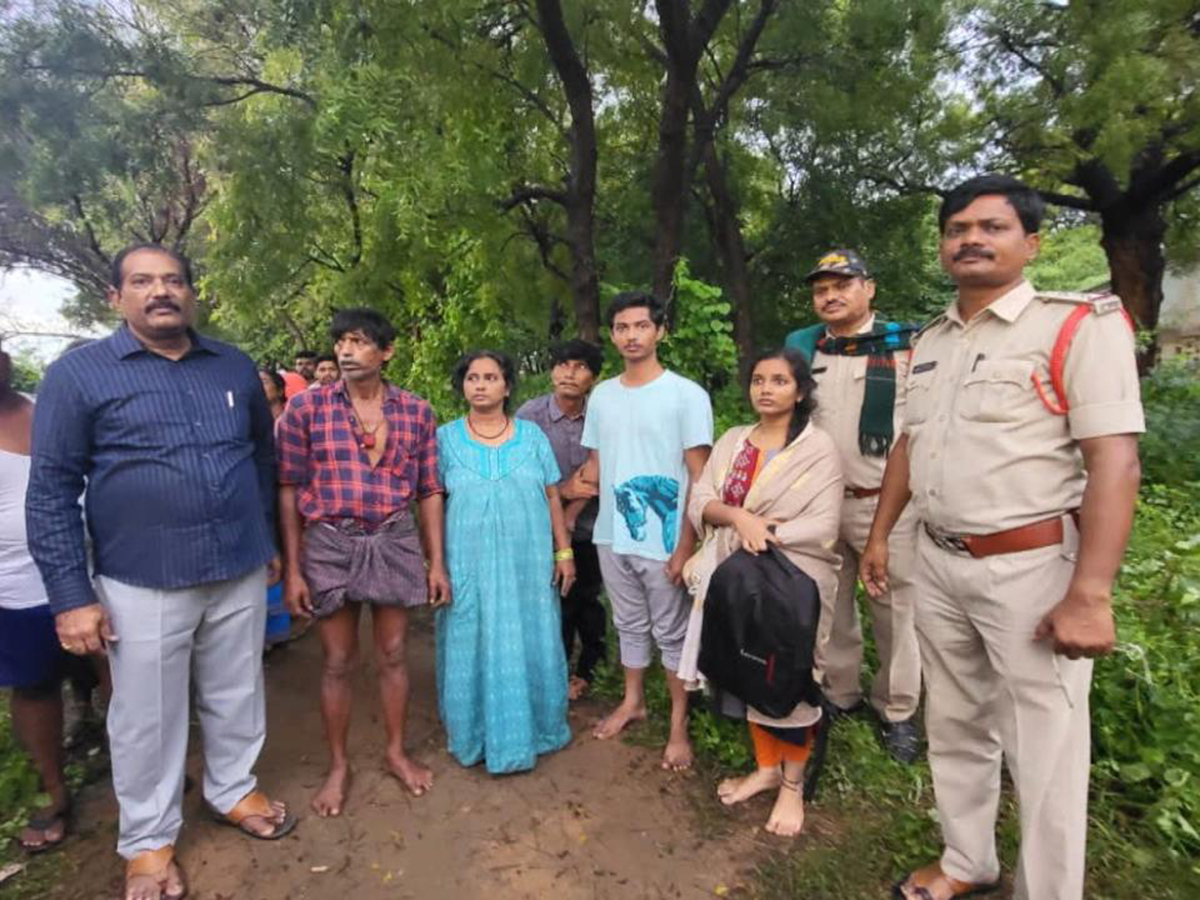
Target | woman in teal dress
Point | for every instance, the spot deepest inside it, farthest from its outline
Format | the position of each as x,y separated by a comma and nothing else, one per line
501,669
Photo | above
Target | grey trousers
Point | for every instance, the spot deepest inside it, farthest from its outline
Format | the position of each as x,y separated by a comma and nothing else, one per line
206,638
647,608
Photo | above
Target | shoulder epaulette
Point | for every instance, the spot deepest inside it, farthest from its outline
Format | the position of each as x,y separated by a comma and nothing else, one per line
1085,305
1101,304
936,320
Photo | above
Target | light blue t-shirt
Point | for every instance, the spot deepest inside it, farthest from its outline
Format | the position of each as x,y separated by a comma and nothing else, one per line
641,434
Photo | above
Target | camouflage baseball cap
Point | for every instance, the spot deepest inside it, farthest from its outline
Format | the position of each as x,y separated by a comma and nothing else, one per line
843,261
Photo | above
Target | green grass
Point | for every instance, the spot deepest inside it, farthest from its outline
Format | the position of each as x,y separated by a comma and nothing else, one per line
19,797
875,819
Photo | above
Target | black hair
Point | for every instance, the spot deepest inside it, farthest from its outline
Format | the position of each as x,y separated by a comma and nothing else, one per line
359,318
507,369
276,379
805,383
584,351
632,300
326,357
305,354
116,276
1028,203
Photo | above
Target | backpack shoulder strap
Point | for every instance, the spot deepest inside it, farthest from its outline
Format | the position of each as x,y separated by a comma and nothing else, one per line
1085,305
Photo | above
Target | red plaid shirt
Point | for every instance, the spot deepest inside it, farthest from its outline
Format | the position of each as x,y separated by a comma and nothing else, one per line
318,443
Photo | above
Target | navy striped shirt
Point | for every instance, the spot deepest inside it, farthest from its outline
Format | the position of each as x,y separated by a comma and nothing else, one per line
178,459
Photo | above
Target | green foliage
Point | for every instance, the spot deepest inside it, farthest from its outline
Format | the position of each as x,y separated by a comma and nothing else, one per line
1146,697
18,780
1170,448
1070,259
700,344
27,372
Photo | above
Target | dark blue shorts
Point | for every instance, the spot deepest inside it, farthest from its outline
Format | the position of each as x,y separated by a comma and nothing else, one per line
30,653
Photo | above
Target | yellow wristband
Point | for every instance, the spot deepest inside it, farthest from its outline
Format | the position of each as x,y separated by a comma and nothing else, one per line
564,555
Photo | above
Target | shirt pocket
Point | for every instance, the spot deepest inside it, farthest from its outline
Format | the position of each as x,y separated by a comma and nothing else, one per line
918,399
402,470
997,391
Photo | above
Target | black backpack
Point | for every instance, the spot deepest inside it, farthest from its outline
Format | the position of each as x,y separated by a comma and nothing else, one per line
760,631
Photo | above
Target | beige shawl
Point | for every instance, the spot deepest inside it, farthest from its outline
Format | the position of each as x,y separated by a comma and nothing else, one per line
801,489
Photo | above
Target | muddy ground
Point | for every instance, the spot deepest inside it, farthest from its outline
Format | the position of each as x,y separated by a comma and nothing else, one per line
596,820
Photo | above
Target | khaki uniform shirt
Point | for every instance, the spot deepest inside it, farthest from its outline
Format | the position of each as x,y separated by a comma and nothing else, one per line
841,383
985,454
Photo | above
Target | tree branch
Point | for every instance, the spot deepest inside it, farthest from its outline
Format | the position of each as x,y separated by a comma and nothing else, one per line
526,193
1071,201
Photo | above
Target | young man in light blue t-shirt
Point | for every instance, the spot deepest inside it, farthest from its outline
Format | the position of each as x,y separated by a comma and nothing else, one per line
650,432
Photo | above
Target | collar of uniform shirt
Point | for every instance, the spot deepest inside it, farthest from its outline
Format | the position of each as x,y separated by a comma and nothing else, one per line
1007,306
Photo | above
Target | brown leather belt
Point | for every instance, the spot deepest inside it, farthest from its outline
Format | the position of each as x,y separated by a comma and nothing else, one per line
858,493
1045,533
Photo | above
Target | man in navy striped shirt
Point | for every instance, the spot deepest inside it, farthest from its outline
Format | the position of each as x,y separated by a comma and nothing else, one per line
172,435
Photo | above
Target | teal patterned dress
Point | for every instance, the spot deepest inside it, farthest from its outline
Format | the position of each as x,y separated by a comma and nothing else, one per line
501,668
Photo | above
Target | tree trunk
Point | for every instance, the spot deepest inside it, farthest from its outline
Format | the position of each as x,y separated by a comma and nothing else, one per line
727,233
580,199
670,182
1133,242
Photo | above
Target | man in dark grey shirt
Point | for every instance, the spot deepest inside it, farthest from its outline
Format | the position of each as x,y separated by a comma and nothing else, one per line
560,415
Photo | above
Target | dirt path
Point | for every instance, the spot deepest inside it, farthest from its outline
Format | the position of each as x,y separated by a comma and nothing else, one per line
597,820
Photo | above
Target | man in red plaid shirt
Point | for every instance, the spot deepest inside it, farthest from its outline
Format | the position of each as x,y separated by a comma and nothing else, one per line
353,455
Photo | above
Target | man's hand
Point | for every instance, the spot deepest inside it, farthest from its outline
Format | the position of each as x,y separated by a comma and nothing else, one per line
274,569
1082,622
577,488
296,596
439,586
873,567
84,630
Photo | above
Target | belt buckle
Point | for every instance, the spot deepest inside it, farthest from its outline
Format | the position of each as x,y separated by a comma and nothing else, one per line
952,543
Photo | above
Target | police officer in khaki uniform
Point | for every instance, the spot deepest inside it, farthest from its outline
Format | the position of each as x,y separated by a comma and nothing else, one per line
1024,473
860,363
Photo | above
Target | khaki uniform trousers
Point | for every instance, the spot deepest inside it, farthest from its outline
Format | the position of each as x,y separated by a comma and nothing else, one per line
992,691
897,687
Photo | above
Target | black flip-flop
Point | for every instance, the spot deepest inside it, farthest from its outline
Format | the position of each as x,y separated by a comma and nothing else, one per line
43,822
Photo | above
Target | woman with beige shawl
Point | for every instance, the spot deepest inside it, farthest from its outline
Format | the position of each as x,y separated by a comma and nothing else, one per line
778,482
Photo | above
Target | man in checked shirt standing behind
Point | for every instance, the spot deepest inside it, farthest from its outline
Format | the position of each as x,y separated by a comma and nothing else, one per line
352,457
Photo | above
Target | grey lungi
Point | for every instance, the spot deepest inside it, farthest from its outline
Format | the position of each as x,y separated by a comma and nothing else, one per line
347,560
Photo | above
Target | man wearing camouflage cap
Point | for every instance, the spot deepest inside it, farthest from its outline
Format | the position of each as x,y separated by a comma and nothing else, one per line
860,362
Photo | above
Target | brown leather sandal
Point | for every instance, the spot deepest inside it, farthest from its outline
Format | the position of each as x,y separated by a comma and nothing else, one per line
256,805
155,864
917,885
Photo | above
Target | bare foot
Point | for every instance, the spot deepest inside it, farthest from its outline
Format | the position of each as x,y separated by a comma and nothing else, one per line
414,776
677,757
577,687
328,800
736,790
787,818
615,722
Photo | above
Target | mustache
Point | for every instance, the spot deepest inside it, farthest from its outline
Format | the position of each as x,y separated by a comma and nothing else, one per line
162,304
973,253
